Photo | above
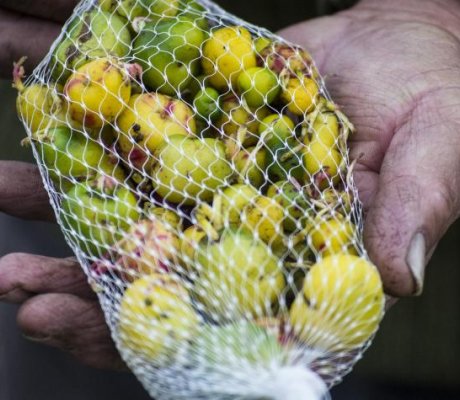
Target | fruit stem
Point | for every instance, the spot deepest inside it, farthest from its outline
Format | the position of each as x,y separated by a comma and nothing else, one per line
18,74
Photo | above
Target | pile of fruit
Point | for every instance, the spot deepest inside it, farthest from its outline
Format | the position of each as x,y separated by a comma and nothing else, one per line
201,174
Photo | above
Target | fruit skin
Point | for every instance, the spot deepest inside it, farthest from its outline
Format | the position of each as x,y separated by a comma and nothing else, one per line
234,199
332,235
239,122
250,165
194,11
189,243
227,53
207,104
300,95
293,202
98,212
156,318
283,160
264,217
230,345
287,60
258,86
322,163
70,157
153,9
169,52
92,35
238,275
169,218
98,92
341,304
149,120
149,247
190,170
326,129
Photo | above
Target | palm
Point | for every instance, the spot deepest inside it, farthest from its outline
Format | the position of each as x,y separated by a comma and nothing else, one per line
396,75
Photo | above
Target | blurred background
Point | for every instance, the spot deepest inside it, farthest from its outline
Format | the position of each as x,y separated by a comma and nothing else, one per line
416,354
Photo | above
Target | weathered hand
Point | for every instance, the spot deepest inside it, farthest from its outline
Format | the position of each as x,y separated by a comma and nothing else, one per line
394,67
29,27
58,307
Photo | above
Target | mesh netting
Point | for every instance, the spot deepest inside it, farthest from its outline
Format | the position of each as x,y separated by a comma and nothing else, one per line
200,172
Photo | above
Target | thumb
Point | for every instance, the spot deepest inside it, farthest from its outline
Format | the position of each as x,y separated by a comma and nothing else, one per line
317,36
417,199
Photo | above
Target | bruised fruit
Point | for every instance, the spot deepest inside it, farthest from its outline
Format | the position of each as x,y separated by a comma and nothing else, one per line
93,35
264,217
258,86
147,121
341,304
156,318
149,247
97,92
190,170
98,212
227,53
234,200
238,275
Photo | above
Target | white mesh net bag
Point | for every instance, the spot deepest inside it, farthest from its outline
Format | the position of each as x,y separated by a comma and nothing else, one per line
200,172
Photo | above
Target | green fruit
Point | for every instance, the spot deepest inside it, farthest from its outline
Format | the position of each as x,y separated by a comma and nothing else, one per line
294,203
153,9
98,213
194,11
169,53
234,199
258,86
283,160
94,34
70,156
250,165
232,344
189,170
238,275
207,104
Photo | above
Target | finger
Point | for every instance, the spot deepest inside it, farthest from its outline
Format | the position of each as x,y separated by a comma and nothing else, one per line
56,10
20,36
72,324
22,193
24,275
419,193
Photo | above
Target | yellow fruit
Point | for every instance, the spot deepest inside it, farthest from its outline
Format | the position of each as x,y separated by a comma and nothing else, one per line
300,95
239,120
227,53
265,216
169,218
156,318
149,120
190,241
340,306
326,129
149,247
332,236
234,199
97,92
39,106
323,164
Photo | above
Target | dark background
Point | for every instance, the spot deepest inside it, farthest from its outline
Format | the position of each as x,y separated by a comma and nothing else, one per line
416,354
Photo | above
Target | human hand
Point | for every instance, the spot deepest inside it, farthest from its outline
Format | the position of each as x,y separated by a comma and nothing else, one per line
394,67
29,27
58,307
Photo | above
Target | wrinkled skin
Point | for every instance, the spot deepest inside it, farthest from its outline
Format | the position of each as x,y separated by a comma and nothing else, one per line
394,66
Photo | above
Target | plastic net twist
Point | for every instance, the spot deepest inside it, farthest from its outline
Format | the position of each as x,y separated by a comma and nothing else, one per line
199,170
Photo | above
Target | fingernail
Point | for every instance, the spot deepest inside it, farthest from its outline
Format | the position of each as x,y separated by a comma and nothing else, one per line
416,257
